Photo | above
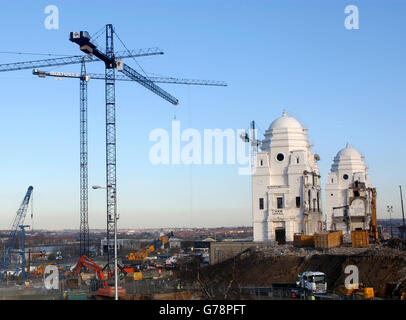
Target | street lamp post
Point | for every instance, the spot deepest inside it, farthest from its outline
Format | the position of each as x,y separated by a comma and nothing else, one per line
402,228
115,249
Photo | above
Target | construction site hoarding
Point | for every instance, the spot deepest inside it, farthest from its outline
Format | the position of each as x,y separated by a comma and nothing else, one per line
301,240
359,238
327,240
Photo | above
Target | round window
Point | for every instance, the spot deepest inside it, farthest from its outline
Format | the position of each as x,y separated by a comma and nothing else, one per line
280,157
345,177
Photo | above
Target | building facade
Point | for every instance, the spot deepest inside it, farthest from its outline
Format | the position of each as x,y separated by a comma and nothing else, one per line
286,195
348,193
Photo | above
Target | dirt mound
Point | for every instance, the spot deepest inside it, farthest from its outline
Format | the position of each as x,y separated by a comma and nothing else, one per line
396,243
377,268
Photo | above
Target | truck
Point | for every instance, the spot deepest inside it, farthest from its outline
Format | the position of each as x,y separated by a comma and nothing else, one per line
312,282
171,262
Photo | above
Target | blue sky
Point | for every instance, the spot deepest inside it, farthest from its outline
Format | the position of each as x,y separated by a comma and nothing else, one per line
343,85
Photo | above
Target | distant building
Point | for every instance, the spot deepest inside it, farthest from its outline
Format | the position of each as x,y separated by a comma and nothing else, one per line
175,243
348,192
286,194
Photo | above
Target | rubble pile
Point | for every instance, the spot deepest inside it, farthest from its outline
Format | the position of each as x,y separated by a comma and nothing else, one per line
397,243
378,265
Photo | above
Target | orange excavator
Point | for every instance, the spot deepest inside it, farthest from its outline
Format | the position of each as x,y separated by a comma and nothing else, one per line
104,290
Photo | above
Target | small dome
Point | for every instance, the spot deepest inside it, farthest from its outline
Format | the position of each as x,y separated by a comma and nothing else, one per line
285,122
348,152
348,159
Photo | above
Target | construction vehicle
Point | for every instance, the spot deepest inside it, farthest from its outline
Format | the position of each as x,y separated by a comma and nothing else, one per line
373,225
39,271
13,237
357,290
141,255
104,289
171,262
312,282
361,237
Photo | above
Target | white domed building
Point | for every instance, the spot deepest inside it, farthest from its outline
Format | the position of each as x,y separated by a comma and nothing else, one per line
348,192
286,194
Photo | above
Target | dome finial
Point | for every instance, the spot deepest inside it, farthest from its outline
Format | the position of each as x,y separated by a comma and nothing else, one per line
284,113
347,145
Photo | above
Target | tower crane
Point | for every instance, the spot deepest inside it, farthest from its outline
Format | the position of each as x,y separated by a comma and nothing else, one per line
18,221
112,63
82,38
84,79
250,137
75,60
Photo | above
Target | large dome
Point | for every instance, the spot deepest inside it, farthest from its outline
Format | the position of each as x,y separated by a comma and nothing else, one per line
285,122
285,131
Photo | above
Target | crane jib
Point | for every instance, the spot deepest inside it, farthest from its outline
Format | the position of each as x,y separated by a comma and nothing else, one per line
74,60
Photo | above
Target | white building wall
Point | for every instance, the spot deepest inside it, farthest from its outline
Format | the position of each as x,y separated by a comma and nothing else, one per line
280,173
348,166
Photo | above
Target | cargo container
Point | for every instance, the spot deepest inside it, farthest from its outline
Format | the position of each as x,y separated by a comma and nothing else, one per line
137,275
300,240
327,240
359,238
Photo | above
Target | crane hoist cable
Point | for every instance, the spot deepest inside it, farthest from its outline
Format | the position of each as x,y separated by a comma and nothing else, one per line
97,34
191,165
119,39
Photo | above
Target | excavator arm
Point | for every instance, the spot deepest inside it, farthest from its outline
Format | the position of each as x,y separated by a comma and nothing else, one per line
89,264
373,228
143,253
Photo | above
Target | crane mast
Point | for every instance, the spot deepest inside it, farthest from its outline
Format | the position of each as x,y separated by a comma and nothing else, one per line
84,189
111,178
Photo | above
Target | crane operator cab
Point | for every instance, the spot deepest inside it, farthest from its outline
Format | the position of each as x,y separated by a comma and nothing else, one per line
82,38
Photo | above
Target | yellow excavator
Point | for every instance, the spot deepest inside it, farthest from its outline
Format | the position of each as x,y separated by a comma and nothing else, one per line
361,291
142,254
